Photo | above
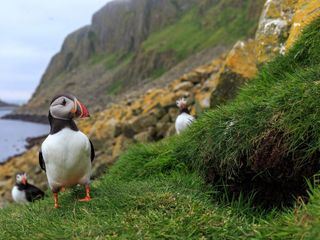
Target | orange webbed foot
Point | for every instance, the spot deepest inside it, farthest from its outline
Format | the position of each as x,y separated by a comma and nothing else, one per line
86,199
56,203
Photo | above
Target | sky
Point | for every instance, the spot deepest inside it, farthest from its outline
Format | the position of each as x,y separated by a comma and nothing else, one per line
32,31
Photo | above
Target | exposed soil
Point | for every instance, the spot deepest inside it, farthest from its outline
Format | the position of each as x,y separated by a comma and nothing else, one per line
274,175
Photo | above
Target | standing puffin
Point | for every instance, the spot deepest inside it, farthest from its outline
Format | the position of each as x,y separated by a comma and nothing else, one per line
184,119
23,192
66,154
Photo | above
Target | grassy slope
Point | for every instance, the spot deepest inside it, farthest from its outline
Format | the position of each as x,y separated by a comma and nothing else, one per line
205,26
152,192
175,206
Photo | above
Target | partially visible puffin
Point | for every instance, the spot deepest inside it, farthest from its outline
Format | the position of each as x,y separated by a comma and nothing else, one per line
67,153
23,192
184,119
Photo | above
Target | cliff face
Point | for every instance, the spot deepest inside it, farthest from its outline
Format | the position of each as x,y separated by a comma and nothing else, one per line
4,104
118,28
131,42
122,26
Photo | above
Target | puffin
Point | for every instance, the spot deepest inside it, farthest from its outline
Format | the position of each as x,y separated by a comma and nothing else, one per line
66,154
184,119
23,192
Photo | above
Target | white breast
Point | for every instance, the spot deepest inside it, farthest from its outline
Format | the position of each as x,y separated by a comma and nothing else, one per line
18,196
67,158
183,121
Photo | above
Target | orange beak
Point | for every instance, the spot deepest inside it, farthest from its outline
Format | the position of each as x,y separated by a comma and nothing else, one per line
80,110
24,180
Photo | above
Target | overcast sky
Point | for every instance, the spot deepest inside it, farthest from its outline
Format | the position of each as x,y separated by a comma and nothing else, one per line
32,31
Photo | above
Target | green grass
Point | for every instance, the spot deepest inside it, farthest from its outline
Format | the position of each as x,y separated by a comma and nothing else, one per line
158,191
174,206
222,23
157,72
115,87
177,206
110,61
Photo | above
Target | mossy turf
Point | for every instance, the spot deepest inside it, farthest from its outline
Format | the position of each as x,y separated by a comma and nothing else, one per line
161,191
168,207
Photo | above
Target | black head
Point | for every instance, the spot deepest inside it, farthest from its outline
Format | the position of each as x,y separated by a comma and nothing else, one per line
182,105
66,107
63,109
21,178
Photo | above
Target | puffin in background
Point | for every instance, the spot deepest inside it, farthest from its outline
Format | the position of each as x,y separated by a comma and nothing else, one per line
23,192
66,154
184,119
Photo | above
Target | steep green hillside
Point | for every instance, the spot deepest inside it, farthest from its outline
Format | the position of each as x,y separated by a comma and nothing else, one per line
269,135
207,25
134,42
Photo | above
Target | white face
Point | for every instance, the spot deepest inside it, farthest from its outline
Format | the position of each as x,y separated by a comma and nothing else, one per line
21,177
182,103
62,108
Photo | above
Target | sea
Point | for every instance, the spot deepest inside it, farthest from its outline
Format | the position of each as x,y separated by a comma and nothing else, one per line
13,135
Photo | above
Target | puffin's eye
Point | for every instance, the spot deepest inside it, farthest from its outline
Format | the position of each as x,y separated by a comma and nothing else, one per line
64,102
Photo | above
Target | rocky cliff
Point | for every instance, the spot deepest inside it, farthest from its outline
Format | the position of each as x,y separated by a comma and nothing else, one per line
4,104
131,43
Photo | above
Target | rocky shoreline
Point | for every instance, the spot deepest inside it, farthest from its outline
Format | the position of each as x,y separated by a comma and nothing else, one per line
34,141
31,142
27,118
7,105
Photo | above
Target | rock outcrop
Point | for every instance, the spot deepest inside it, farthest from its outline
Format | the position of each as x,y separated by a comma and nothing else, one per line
280,25
239,67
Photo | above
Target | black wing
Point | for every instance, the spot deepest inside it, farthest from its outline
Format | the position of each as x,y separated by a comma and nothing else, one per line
41,161
93,154
33,193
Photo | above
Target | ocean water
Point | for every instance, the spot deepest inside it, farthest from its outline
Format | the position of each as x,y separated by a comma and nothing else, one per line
13,135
